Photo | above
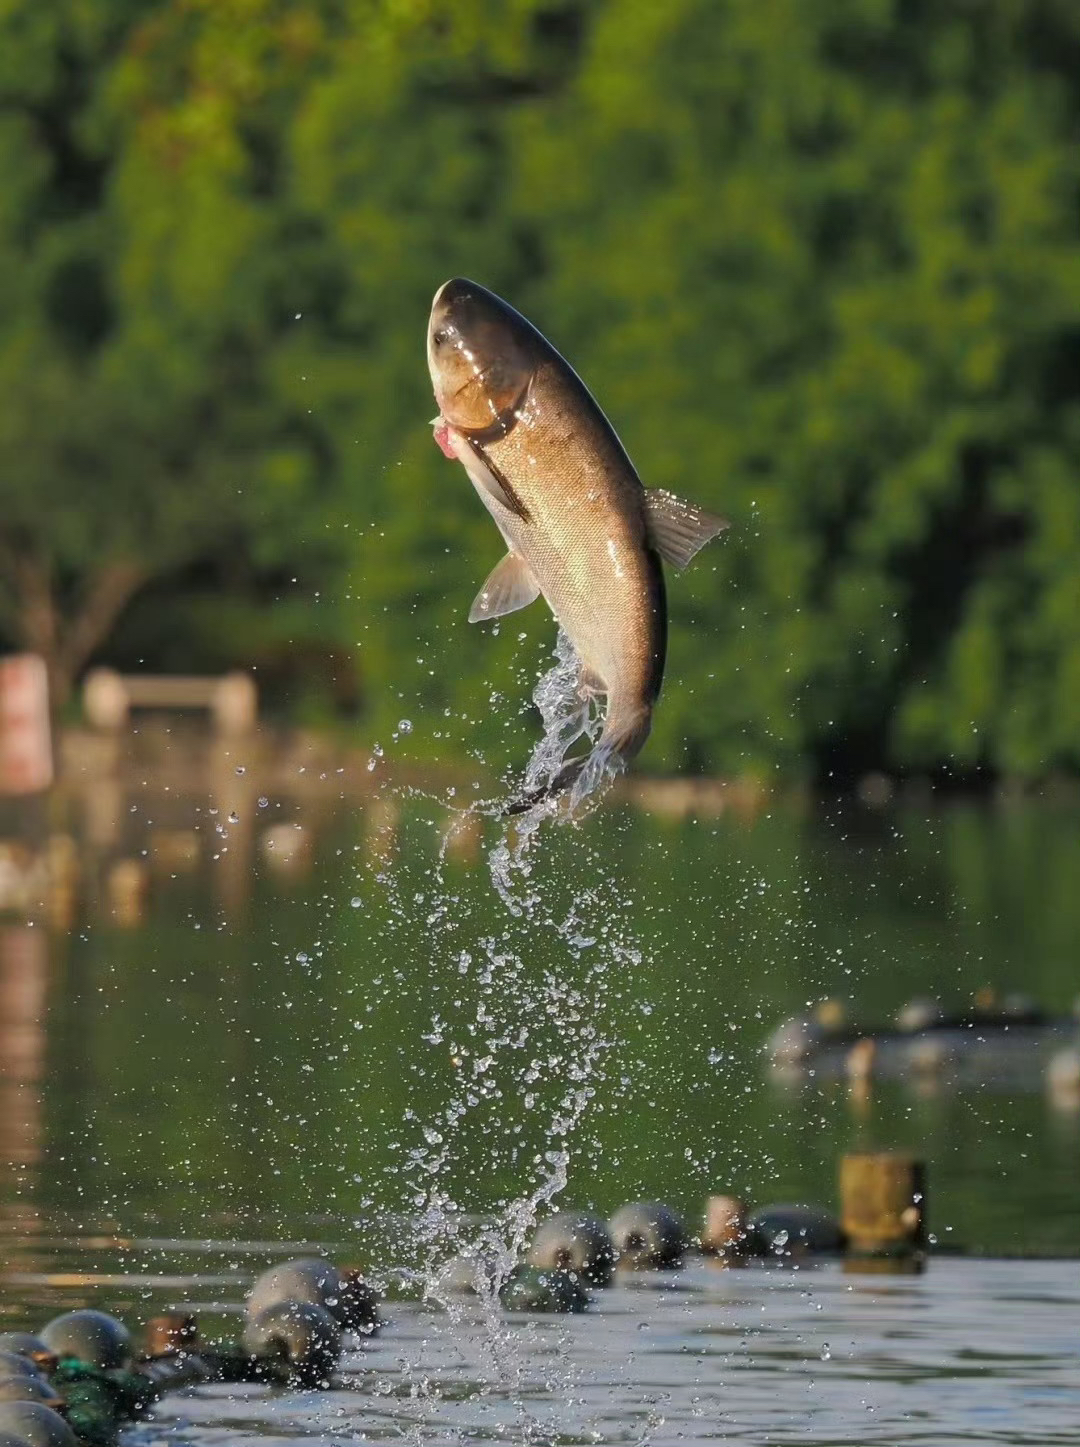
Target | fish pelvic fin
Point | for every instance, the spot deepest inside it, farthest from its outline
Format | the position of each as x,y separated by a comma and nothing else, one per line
678,529
509,586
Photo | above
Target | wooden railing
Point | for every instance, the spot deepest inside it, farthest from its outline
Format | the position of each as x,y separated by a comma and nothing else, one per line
231,699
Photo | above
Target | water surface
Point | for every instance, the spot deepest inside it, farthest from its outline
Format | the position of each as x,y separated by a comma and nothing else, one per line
325,1051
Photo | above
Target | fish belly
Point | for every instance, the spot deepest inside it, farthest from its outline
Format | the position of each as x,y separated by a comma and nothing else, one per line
583,538
599,583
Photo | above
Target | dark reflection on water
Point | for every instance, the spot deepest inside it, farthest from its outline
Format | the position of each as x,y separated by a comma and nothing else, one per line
255,1063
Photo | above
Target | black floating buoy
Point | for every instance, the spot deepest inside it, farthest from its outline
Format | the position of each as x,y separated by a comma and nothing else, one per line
35,1425
785,1229
92,1337
529,1288
301,1334
25,1344
574,1241
29,1389
648,1235
13,1364
349,1299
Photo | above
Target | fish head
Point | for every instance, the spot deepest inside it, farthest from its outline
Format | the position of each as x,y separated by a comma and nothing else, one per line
481,356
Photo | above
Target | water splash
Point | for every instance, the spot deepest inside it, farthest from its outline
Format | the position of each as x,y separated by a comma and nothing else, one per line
532,1033
568,712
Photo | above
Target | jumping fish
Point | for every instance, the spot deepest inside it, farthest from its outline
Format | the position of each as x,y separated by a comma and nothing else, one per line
578,525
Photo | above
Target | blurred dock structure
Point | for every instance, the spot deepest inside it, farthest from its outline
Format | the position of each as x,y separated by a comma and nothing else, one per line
168,778
176,776
692,797
232,700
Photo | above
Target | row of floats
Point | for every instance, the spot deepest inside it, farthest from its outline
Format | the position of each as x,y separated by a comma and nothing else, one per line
1009,1041
80,1380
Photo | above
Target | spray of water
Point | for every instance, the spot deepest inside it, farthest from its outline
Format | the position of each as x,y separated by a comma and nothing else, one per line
568,711
544,1030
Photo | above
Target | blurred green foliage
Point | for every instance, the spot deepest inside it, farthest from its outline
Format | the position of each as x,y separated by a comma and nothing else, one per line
820,262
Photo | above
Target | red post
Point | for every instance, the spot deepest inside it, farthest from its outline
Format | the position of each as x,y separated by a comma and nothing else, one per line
26,763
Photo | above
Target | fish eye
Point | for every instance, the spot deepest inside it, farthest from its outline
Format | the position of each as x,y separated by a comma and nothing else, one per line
437,338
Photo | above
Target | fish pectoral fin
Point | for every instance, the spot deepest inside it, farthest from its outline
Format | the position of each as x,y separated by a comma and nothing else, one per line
677,528
486,475
509,586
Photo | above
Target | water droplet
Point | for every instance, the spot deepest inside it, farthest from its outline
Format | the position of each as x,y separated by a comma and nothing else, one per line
356,901
826,1354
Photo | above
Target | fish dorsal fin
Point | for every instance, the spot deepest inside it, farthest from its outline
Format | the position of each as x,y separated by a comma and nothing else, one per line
509,586
677,528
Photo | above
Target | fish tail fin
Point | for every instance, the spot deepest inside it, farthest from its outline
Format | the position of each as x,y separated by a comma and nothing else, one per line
626,727
567,776
625,730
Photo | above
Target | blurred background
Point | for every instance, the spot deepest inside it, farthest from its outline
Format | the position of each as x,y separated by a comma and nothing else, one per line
819,262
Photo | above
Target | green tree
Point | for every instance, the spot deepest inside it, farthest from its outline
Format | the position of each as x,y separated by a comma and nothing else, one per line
823,260
818,261
146,296
820,264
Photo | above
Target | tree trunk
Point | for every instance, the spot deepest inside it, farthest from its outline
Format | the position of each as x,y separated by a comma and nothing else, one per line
40,624
105,597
